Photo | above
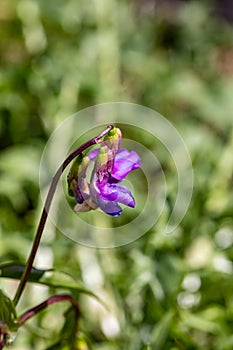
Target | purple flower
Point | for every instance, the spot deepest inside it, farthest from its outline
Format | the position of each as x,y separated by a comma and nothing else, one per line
111,165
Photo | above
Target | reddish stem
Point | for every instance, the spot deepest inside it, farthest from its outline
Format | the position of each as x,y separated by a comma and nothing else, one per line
45,211
51,300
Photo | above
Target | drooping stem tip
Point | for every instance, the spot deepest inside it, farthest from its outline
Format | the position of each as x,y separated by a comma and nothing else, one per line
47,205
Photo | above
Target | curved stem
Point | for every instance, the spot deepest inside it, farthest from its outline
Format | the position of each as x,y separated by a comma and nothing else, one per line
46,208
51,300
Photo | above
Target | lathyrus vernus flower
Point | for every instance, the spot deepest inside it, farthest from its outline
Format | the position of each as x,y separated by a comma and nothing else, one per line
111,165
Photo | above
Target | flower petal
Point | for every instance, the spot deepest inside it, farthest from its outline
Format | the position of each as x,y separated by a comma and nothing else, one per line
93,154
76,179
125,162
111,165
82,207
125,196
109,207
117,193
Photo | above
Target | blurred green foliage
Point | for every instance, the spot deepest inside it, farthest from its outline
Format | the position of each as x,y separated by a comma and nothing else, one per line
57,57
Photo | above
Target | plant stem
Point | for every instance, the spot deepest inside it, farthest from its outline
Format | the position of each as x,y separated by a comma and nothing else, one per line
51,300
46,208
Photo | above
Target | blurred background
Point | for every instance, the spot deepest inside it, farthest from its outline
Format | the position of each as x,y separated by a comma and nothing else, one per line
176,57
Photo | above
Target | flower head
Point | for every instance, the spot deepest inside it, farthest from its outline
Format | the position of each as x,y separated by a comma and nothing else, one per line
111,165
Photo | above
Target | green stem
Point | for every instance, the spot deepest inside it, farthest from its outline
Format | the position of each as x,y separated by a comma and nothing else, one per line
46,208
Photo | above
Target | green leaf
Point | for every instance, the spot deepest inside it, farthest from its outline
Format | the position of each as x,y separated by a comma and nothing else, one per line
68,333
51,278
8,315
58,279
161,330
15,271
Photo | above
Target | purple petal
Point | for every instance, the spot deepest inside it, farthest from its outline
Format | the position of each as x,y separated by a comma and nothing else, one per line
124,196
77,193
109,207
103,188
117,193
125,162
109,192
93,154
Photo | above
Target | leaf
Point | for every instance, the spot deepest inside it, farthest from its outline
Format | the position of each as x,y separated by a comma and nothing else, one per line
14,271
8,320
51,278
68,332
8,313
161,330
199,322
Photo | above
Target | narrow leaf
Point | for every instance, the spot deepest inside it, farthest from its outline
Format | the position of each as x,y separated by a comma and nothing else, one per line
51,278
8,315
